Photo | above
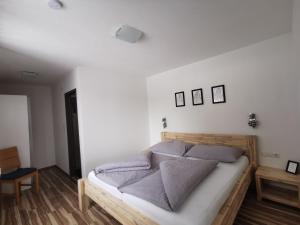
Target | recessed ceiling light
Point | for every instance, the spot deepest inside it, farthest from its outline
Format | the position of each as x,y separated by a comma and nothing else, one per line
55,4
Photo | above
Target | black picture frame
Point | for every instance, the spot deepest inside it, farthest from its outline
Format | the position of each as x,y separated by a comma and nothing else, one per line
216,99
288,169
179,99
201,97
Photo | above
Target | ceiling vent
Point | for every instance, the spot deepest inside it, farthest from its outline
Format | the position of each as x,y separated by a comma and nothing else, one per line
128,33
27,75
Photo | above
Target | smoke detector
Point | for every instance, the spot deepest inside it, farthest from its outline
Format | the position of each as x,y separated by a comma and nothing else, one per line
127,33
55,4
27,75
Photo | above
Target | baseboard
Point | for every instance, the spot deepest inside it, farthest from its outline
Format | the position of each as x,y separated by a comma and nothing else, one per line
61,170
71,178
46,168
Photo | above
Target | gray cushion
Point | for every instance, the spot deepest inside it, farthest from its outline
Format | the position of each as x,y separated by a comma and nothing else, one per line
215,152
173,147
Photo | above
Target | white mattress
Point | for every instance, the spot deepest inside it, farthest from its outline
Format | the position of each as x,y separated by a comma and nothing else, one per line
202,205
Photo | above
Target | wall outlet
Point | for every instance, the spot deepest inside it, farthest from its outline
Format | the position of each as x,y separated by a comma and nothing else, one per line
270,155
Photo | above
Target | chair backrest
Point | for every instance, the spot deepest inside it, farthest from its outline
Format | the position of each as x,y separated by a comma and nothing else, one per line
9,158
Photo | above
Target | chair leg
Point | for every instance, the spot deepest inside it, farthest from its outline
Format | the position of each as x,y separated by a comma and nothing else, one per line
17,191
37,182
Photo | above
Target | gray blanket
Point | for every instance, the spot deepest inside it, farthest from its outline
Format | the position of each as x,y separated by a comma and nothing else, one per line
140,161
133,169
173,183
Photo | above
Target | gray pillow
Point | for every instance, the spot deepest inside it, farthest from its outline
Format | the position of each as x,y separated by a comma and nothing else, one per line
173,147
215,152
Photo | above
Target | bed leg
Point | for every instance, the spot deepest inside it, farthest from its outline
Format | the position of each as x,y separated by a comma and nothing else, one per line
83,200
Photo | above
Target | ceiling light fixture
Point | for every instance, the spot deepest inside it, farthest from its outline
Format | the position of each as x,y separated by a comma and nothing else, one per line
55,4
128,33
28,75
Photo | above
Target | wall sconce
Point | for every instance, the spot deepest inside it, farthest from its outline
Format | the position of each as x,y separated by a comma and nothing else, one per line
252,122
164,121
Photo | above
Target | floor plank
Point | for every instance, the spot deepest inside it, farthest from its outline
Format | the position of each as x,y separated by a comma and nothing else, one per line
57,205
264,212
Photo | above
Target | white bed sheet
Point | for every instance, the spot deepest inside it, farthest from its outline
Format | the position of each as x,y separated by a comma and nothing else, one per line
107,187
202,205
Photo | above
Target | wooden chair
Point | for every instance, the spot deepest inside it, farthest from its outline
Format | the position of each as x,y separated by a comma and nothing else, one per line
9,160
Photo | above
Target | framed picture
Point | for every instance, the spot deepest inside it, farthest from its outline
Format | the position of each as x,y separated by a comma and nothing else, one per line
292,167
218,94
197,96
179,99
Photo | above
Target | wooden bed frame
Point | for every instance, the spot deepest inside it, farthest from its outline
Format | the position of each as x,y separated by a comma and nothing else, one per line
127,215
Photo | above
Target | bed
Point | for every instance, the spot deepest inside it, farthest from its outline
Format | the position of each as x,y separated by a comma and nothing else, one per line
217,202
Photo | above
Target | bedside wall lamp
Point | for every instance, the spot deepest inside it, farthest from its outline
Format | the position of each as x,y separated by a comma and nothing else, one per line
164,121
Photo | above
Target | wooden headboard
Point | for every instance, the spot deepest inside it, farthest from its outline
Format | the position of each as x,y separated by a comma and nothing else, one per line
245,142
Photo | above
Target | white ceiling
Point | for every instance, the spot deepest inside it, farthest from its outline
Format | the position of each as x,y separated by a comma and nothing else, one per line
34,37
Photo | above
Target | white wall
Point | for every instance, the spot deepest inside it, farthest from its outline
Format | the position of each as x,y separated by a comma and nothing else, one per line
14,126
296,39
258,79
112,112
41,116
65,85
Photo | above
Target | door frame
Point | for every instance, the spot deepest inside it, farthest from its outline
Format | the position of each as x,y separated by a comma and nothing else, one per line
70,138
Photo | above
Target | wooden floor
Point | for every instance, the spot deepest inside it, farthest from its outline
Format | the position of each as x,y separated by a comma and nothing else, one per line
57,204
266,213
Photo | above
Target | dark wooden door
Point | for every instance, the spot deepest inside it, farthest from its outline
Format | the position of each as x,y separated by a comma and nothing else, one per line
73,134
